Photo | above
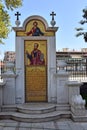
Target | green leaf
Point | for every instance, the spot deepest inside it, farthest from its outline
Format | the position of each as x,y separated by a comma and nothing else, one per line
5,25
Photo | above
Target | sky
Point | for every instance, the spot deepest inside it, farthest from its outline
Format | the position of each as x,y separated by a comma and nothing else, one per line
68,15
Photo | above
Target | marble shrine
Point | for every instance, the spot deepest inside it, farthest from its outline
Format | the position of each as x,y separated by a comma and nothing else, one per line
37,86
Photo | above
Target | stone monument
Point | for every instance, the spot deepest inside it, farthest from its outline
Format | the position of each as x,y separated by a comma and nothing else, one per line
39,84
35,60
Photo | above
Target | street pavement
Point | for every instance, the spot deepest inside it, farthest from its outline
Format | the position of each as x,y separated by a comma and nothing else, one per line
64,124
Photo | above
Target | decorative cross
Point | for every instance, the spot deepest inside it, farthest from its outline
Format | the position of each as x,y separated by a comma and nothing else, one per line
17,14
52,14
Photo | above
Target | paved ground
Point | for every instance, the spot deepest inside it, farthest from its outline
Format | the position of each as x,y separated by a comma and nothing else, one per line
53,125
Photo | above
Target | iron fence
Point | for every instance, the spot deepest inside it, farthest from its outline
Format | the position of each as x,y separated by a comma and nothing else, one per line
77,67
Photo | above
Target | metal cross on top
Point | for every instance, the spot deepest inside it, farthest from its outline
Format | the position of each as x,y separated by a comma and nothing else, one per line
52,14
17,14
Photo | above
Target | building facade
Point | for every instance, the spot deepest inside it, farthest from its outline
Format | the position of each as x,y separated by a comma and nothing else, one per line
67,53
9,56
76,63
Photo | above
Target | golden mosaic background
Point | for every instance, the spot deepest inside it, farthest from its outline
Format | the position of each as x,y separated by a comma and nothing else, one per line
35,75
36,83
29,45
30,25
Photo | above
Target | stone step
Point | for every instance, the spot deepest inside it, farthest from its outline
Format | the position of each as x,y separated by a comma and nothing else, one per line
63,107
42,108
35,112
9,108
36,108
32,118
40,117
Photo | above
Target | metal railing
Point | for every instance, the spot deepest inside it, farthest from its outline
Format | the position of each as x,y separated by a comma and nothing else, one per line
77,67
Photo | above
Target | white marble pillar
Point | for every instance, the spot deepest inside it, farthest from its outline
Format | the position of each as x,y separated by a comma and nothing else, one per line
52,96
62,88
9,89
20,85
62,77
2,85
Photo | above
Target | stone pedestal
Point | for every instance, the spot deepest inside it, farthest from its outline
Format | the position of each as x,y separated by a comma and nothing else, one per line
9,89
62,88
2,84
74,89
75,99
62,77
78,106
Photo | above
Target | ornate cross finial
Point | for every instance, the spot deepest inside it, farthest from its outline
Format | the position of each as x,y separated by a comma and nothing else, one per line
17,14
53,22
52,14
17,22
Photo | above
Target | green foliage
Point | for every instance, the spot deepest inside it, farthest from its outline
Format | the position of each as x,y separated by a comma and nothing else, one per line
11,4
5,25
82,22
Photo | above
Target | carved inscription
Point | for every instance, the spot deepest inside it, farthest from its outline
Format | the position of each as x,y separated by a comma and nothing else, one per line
36,83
